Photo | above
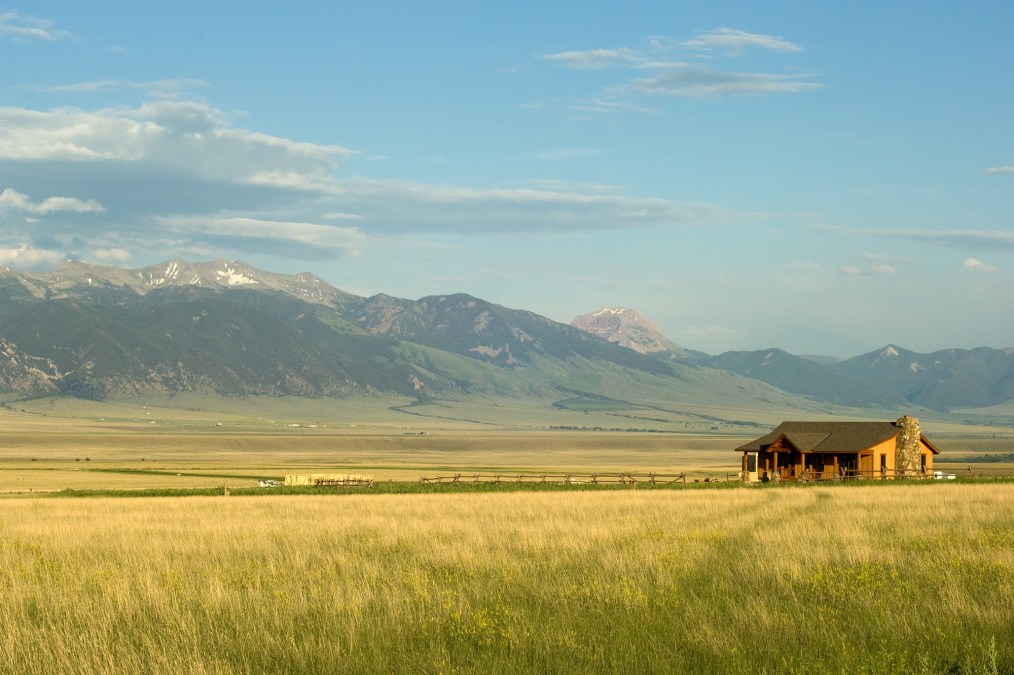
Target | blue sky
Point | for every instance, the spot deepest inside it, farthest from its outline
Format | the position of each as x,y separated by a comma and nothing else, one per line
822,177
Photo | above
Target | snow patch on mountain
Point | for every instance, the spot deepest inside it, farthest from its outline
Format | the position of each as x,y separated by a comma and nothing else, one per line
234,278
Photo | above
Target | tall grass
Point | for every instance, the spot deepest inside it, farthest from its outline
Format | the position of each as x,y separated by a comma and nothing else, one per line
906,579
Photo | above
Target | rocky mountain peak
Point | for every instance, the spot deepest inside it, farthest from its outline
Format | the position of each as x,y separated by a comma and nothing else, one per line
626,327
76,279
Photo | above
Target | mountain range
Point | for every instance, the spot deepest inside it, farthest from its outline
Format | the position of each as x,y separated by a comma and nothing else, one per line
229,329
948,379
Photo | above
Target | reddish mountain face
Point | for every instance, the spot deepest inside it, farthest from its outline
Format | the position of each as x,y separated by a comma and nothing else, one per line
626,327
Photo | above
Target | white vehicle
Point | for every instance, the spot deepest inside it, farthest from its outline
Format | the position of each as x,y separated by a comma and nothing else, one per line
940,475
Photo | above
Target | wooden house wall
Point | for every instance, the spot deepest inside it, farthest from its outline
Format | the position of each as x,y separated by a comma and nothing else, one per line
790,464
927,454
870,459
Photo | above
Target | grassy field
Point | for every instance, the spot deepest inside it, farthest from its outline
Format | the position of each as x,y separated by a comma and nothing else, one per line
915,577
57,444
880,579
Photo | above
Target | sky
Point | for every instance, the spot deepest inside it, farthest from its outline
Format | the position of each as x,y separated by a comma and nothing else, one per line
827,178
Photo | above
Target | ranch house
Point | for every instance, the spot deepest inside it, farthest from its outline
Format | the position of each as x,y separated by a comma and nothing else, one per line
829,450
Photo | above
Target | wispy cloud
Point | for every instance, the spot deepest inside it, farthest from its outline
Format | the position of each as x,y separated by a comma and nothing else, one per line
1009,168
882,269
411,207
19,26
594,59
684,76
684,79
974,265
11,199
993,239
27,256
191,136
110,256
735,41
613,106
568,153
162,89
179,178
264,235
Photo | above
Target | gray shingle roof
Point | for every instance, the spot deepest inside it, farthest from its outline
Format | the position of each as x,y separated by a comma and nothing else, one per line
826,436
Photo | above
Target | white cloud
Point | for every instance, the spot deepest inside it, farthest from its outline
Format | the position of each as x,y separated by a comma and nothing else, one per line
21,27
993,239
1009,168
419,207
265,234
683,79
23,255
185,135
884,269
340,215
887,258
973,265
14,200
161,89
881,268
610,105
735,41
177,177
116,256
556,185
594,59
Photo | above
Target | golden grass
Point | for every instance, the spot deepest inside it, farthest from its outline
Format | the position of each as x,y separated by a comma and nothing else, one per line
47,453
916,577
213,458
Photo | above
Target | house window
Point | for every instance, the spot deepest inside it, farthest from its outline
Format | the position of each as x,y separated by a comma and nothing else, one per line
883,464
751,462
923,464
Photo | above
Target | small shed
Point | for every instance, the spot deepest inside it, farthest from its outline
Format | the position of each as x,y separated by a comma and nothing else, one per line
826,450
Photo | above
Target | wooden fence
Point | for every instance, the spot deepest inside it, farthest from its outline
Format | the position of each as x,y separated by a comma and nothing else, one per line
564,478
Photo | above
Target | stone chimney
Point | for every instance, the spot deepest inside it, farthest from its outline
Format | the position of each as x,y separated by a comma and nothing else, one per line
908,449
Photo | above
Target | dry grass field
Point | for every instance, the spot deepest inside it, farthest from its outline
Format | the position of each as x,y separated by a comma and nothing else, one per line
915,577
66,443
877,579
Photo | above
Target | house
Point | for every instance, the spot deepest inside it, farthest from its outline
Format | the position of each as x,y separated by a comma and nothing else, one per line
826,450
